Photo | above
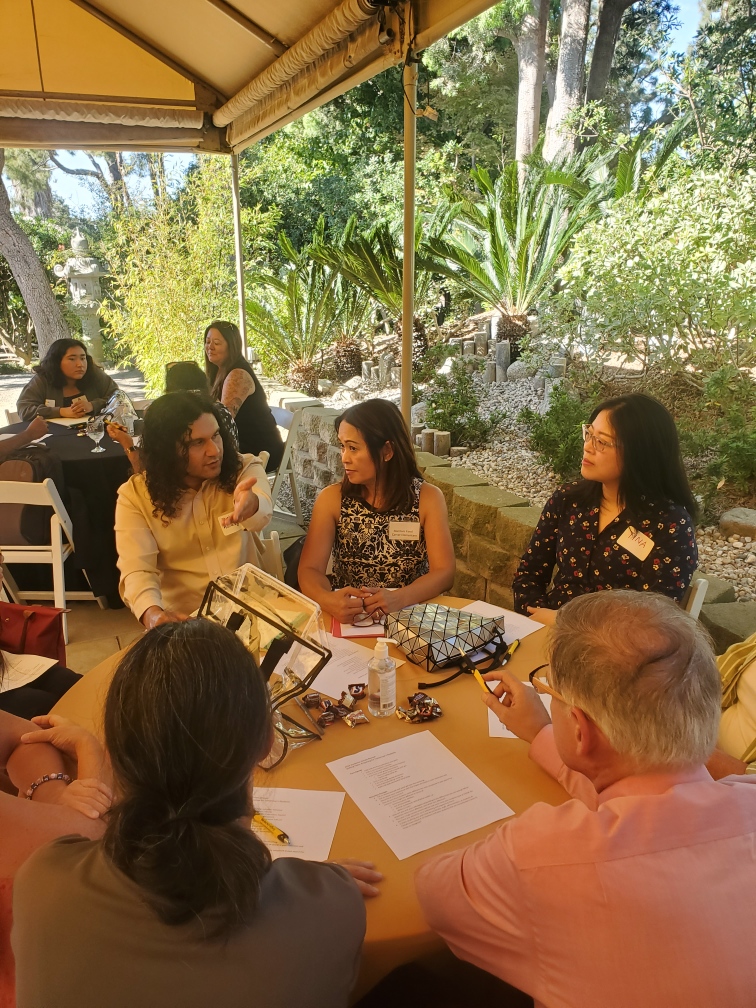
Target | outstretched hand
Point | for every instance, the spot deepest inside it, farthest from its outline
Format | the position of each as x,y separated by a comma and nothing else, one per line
246,502
364,874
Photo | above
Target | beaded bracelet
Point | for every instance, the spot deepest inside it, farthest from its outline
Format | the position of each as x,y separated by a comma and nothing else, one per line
43,780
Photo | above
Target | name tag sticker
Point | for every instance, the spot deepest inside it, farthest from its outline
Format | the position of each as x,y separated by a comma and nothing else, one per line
404,531
50,402
635,542
229,529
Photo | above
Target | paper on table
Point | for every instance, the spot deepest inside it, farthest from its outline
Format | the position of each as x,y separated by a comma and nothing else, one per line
21,669
348,665
416,793
309,818
497,730
67,421
352,630
5,437
516,625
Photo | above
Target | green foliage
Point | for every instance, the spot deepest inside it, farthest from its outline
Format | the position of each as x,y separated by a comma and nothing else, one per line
508,243
556,436
296,313
729,437
453,406
173,270
669,281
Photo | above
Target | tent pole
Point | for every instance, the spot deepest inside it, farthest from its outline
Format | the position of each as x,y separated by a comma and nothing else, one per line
238,249
408,272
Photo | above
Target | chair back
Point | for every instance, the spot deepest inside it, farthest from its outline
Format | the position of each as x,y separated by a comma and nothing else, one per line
44,494
12,417
694,597
283,417
271,560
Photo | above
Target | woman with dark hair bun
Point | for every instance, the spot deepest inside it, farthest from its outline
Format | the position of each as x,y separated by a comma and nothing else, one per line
180,904
235,384
68,383
388,529
628,523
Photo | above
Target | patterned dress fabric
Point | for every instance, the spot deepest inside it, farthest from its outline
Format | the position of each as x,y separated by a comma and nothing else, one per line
363,554
568,546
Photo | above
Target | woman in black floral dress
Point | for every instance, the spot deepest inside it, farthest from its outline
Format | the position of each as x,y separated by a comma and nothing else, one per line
628,523
387,528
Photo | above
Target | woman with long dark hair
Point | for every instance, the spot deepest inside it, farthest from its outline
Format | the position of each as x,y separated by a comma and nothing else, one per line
179,904
388,529
235,384
628,523
68,383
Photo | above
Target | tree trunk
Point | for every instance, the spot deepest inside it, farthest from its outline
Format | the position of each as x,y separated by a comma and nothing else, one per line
29,274
570,77
610,19
530,46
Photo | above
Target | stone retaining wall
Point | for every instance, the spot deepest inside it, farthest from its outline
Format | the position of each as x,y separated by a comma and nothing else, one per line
490,529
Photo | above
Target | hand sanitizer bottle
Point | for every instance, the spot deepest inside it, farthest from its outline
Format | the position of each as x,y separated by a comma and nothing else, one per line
382,680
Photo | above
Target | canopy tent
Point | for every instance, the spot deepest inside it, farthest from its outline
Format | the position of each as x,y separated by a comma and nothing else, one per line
201,75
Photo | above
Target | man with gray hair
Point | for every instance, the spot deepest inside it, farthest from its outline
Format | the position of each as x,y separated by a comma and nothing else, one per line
641,890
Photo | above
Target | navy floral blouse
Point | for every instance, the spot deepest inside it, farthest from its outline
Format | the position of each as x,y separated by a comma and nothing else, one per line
568,546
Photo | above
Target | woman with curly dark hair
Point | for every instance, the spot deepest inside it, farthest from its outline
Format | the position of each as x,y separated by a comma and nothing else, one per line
68,383
191,514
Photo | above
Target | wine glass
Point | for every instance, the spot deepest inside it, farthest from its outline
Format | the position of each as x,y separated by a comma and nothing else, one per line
96,430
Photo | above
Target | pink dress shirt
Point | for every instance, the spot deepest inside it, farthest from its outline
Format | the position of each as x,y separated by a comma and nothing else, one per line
642,896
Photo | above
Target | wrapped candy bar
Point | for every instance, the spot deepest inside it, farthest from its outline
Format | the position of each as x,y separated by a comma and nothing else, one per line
421,708
341,710
327,718
347,700
357,717
358,690
311,699
325,703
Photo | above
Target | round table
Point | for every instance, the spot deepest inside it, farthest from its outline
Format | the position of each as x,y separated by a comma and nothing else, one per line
95,478
396,929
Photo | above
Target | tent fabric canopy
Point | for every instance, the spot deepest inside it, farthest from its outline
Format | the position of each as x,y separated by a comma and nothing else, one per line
202,75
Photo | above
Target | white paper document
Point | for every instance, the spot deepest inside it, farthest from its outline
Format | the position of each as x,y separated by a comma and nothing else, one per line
416,793
309,818
67,421
368,630
21,669
497,730
515,626
348,665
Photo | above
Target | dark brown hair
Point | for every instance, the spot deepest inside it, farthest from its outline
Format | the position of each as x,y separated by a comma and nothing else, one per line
652,465
49,366
187,718
380,421
236,359
164,451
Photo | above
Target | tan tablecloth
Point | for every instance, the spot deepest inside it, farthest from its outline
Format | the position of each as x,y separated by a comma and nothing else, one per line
396,931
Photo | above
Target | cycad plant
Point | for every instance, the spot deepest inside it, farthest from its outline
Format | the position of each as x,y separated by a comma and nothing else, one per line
294,315
506,246
374,262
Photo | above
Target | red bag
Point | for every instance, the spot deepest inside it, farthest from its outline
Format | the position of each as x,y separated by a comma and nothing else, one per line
36,630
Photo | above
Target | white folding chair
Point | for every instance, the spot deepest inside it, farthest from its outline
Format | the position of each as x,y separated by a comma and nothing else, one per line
694,597
271,558
290,422
12,417
61,544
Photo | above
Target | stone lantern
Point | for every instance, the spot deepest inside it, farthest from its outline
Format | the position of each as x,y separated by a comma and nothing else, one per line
82,273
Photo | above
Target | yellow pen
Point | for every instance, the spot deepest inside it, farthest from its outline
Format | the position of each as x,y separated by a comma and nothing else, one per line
274,830
511,650
485,686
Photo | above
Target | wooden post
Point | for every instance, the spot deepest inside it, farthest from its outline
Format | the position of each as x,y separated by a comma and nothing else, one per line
239,250
408,272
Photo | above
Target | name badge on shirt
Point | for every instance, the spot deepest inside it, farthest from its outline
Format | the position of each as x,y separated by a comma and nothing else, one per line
228,530
635,542
404,531
50,402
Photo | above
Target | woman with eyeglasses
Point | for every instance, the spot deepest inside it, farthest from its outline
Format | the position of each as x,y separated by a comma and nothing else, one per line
628,523
235,384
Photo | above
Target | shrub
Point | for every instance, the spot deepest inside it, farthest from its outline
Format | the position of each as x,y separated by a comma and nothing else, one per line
453,406
555,436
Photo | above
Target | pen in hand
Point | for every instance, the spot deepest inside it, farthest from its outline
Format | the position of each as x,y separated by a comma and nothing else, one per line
279,834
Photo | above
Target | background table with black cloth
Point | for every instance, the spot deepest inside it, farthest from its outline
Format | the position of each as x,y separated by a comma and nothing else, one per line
94,480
